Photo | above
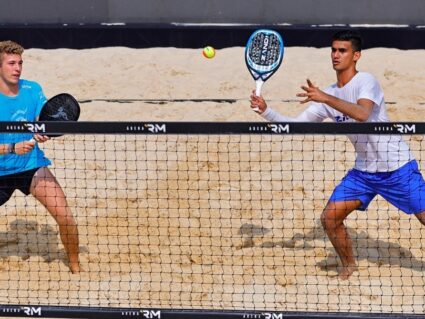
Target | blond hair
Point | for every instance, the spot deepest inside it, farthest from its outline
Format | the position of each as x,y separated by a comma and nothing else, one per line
10,47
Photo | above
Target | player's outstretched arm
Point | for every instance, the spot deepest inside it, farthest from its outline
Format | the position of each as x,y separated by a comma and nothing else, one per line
359,112
258,102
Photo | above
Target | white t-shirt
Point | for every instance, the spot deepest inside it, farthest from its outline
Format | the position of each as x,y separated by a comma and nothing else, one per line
374,153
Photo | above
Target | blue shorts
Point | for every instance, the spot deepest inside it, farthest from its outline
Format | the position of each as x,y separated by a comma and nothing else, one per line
404,188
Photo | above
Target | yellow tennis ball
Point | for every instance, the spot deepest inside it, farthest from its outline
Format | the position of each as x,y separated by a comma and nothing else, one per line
208,52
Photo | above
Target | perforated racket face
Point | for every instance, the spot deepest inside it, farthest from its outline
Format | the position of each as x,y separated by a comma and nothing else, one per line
62,107
264,53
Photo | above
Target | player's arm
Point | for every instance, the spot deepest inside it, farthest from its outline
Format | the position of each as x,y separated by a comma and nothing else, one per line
40,138
7,149
309,115
359,112
18,148
258,104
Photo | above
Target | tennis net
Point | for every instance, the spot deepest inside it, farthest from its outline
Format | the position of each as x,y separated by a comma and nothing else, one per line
207,219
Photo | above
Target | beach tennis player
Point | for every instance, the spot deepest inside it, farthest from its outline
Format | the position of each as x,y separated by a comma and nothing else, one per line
23,165
384,164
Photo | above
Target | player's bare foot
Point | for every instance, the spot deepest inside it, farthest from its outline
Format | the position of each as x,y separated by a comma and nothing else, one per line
76,268
346,271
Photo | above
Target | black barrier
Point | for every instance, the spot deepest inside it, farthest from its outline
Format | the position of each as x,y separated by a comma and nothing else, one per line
85,36
212,128
111,313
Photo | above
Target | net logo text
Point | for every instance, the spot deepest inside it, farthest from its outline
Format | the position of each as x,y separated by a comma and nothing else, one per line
150,314
144,313
32,311
156,128
405,128
35,127
271,315
279,128
265,315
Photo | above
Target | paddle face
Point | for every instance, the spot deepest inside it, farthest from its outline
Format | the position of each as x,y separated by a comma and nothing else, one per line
61,107
264,53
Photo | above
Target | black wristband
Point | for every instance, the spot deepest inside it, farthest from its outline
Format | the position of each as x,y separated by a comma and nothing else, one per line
11,148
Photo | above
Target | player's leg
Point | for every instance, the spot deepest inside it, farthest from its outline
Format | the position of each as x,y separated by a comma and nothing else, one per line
332,219
352,193
47,190
421,217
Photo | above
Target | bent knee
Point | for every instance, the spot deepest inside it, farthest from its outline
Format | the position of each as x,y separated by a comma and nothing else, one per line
334,215
327,219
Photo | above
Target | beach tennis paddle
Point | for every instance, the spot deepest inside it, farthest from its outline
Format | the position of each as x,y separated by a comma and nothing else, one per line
61,107
263,56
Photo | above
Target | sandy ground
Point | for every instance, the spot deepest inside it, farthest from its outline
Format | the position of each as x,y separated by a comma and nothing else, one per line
218,222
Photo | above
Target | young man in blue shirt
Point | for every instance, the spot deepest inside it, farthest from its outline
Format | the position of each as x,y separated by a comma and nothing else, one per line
23,164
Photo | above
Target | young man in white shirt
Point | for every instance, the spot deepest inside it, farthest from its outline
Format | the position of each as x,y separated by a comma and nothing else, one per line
384,164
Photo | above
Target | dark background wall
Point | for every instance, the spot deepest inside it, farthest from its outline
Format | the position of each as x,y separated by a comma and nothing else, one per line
194,23
214,11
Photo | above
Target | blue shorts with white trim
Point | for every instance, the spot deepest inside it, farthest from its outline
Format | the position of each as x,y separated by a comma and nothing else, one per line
404,188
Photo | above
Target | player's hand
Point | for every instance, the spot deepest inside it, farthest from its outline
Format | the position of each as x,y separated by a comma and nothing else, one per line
41,138
257,103
24,147
312,93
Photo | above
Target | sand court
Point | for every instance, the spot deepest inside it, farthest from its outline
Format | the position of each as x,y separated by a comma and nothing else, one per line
209,222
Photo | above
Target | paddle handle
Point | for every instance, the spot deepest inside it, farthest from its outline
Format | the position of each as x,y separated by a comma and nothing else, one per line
258,85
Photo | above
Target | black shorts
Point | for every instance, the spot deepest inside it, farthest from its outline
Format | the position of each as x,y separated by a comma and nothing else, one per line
10,183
